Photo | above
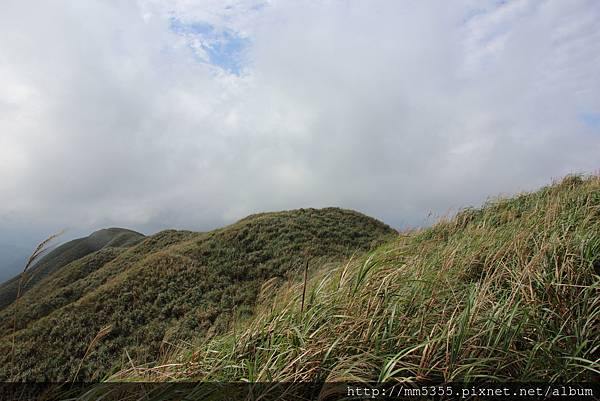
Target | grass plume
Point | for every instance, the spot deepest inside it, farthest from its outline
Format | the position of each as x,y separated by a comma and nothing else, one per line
41,248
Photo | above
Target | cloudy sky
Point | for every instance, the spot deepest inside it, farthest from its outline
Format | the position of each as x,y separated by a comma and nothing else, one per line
192,114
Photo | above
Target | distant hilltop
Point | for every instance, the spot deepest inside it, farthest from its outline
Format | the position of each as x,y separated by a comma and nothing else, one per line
65,254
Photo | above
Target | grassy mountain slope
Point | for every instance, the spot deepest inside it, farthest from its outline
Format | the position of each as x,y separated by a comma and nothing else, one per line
65,254
509,291
59,289
136,305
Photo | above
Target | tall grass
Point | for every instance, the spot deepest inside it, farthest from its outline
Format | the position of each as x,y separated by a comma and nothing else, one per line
506,292
23,277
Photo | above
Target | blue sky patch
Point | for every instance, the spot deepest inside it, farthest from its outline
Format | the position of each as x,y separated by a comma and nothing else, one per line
224,48
592,120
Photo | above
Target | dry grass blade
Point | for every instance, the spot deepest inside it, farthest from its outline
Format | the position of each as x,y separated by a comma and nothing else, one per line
39,250
304,287
103,332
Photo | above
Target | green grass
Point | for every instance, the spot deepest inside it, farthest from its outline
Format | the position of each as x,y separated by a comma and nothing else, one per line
116,308
509,291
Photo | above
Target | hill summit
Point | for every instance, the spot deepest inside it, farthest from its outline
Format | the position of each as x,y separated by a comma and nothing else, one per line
114,298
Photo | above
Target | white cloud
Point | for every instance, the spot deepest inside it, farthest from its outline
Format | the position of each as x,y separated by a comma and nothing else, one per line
393,108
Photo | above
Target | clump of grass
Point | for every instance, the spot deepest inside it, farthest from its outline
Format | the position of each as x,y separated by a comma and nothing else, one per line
509,291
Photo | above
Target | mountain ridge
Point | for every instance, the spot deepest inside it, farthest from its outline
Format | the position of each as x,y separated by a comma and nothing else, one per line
167,287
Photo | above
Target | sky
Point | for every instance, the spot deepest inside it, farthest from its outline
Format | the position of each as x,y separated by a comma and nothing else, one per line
192,114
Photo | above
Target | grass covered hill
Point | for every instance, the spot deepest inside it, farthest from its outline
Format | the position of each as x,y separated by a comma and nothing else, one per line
114,308
65,254
510,291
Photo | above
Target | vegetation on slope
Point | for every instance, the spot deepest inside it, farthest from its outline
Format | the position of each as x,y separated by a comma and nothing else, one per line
65,286
506,292
65,254
132,307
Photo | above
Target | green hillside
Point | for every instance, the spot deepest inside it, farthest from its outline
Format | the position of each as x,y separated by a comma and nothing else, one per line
111,308
59,289
506,292
65,254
